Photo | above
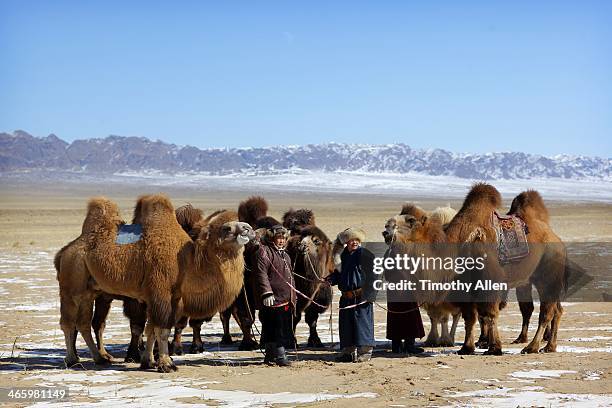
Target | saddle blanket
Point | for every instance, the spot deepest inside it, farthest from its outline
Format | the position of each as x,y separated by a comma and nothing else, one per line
128,234
511,237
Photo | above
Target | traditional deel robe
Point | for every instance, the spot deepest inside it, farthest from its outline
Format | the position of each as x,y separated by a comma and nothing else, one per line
403,314
273,275
356,317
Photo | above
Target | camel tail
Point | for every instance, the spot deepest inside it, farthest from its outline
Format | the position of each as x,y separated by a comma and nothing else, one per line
252,209
57,260
529,204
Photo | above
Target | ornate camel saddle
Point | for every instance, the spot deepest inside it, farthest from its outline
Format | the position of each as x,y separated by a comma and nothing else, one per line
128,234
511,234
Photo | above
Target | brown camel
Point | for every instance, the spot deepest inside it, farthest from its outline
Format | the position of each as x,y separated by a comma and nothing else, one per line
165,269
77,295
313,260
191,219
438,312
544,266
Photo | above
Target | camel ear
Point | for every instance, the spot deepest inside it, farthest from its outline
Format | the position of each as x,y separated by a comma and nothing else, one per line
423,219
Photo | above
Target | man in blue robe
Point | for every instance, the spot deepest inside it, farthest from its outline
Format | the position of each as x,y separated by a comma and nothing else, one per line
355,281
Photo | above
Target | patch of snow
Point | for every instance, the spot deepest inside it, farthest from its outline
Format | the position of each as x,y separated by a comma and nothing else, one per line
540,374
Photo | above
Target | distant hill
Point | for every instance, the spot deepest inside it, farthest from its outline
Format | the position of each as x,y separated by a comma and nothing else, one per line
21,151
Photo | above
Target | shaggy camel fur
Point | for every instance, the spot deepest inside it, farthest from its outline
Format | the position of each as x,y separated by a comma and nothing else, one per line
544,266
226,266
191,220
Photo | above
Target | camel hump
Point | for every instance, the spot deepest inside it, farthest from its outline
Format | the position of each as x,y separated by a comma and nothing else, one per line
529,204
483,194
294,220
220,217
314,231
100,210
187,216
251,209
266,222
153,205
443,215
414,210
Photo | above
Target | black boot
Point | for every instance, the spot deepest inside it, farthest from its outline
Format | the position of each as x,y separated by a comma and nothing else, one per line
396,346
410,348
280,357
270,350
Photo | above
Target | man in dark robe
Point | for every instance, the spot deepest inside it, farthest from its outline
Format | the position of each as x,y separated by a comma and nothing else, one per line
355,281
275,296
404,323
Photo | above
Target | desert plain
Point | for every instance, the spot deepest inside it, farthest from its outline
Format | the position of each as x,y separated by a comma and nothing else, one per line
37,220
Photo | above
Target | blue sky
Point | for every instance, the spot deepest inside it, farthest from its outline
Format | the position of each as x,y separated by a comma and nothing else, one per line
464,76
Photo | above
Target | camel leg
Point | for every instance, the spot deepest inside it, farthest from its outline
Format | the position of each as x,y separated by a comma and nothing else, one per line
165,363
148,360
84,327
176,346
490,313
483,340
453,330
469,318
311,317
248,342
551,346
136,312
243,316
547,332
432,337
446,340
225,316
197,345
101,310
296,320
525,301
547,310
69,312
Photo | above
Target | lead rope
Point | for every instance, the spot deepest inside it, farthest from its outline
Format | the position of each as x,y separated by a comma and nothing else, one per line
253,320
295,349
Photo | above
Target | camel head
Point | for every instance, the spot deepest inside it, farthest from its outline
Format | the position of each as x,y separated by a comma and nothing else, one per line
224,231
404,228
316,250
409,212
101,212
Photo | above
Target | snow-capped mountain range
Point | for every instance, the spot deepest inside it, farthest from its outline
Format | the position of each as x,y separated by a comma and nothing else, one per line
20,151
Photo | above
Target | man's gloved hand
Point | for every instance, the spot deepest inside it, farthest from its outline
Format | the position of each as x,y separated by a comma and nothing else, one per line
268,301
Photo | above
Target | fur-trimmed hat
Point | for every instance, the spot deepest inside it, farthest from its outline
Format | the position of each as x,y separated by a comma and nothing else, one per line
352,233
275,231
